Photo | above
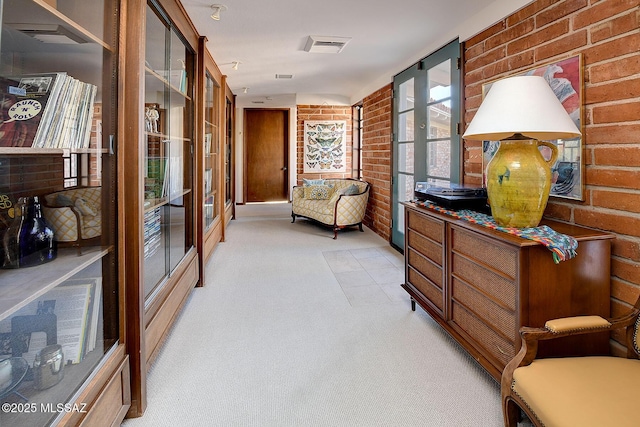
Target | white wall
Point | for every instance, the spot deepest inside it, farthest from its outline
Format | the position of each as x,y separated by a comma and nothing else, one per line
465,30
287,101
495,12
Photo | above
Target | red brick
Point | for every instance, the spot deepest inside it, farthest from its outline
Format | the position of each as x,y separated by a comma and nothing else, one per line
626,248
618,113
601,11
561,45
615,48
518,30
607,221
562,9
541,36
613,178
613,91
626,270
624,291
529,10
616,156
615,27
617,200
617,69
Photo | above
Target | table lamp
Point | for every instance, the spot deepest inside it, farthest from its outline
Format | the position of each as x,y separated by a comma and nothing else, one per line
519,112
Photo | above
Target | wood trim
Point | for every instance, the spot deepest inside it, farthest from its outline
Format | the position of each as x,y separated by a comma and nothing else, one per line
181,285
181,20
103,401
133,28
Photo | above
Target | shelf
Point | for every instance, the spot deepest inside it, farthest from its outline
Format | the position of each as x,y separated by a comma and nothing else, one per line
160,78
156,203
18,287
65,152
40,12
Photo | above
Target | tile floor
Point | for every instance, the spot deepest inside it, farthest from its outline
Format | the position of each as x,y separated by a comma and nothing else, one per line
369,275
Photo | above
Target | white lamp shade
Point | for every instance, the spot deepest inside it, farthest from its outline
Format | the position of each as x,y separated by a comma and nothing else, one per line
522,104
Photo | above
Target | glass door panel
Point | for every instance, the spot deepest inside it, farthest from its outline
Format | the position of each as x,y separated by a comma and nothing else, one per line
426,146
211,168
168,231
59,291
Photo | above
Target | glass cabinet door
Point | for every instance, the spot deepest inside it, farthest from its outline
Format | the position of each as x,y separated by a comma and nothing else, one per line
59,303
168,205
211,149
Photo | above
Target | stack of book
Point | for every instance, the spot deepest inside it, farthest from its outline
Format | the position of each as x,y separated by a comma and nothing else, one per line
52,110
152,221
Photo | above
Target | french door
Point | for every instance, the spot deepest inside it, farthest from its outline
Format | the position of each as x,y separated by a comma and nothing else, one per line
426,144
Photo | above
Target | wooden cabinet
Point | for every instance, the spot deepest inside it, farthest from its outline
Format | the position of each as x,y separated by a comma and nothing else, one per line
162,263
209,158
482,285
61,322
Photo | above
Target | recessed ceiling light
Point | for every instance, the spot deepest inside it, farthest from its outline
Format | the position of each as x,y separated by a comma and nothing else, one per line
284,76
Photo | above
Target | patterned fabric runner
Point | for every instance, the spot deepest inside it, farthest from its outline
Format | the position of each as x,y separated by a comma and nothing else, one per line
562,246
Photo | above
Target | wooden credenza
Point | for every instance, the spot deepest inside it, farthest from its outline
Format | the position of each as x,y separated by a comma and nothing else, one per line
482,285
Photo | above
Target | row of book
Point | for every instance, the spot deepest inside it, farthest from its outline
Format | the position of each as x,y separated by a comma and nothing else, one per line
152,222
51,110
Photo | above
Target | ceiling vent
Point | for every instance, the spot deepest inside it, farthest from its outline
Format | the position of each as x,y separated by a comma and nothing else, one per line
284,76
49,33
326,44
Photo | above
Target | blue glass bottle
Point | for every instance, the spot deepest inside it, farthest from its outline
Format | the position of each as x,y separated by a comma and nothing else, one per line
29,240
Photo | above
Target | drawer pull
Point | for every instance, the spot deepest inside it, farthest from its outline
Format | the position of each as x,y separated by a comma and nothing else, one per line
501,350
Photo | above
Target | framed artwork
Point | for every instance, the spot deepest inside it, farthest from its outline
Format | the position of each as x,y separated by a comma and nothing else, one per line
565,78
325,146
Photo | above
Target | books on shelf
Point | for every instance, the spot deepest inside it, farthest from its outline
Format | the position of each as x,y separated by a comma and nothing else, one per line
152,222
49,110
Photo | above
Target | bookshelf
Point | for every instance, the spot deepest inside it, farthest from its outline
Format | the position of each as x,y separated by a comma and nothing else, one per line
209,159
59,73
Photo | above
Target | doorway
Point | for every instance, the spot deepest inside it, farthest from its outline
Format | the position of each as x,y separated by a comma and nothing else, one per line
266,160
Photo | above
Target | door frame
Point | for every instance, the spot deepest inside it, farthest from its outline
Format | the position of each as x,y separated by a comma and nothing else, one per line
419,72
286,159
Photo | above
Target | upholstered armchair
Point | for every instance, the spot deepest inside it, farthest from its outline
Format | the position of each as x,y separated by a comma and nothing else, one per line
585,391
74,215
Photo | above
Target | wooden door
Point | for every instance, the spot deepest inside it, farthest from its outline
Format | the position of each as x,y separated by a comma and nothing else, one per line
266,140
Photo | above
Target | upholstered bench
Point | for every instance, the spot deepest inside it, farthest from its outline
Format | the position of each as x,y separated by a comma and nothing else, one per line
337,203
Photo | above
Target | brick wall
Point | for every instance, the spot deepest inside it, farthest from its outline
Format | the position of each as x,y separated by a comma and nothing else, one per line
376,159
606,33
322,112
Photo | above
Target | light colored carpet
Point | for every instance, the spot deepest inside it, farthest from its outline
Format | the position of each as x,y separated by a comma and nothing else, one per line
278,337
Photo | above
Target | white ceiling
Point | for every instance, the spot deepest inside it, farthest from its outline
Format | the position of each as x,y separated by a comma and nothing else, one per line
268,38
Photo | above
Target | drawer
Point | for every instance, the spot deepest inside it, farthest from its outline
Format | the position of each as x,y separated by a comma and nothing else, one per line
429,227
429,269
427,288
426,247
496,316
498,350
496,286
501,257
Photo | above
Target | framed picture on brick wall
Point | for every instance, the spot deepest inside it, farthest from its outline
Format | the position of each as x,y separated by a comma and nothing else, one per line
325,146
566,80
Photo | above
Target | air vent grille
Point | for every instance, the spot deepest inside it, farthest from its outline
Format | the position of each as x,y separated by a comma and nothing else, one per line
326,44
284,76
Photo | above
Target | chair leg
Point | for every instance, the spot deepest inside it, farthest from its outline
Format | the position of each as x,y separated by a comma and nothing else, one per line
293,216
360,226
511,413
335,233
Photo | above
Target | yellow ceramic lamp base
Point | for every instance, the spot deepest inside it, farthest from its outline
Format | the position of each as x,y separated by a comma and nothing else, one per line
518,182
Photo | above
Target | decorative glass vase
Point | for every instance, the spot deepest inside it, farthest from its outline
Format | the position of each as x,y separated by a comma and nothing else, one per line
29,240
519,181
